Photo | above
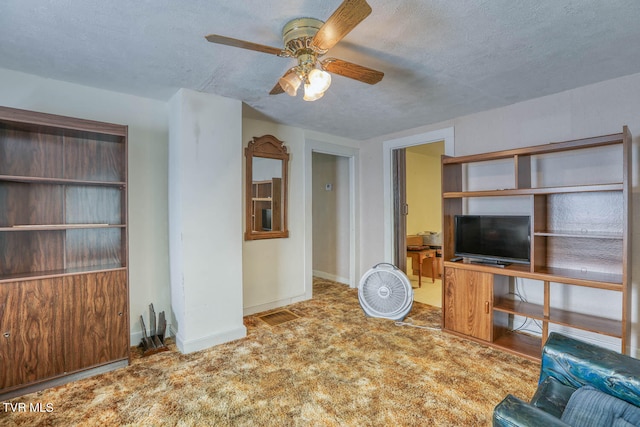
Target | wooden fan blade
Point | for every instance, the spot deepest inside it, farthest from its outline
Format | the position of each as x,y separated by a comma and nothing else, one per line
349,14
228,41
353,71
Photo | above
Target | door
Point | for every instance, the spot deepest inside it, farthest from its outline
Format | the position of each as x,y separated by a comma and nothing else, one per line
467,307
96,314
31,331
400,208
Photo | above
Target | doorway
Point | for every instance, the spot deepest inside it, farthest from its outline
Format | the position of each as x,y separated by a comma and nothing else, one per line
423,220
330,213
416,160
348,156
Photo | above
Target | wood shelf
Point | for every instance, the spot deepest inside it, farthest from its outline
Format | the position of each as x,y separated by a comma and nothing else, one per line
50,123
519,343
554,147
592,279
586,322
552,274
533,191
60,181
54,227
521,308
39,275
576,234
600,325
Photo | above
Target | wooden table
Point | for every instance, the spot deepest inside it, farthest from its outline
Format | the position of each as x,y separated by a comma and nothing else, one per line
417,256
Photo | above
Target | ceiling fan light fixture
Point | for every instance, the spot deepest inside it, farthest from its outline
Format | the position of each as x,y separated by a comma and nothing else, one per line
290,83
310,94
319,80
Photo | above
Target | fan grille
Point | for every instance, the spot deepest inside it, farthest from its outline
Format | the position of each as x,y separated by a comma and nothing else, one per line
385,293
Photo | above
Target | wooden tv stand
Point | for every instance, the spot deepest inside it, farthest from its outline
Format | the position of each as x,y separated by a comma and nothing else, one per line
580,238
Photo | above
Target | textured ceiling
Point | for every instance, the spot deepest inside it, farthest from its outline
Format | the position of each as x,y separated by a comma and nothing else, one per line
441,58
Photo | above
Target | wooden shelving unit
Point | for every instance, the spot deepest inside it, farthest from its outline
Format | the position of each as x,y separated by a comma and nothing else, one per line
63,249
580,237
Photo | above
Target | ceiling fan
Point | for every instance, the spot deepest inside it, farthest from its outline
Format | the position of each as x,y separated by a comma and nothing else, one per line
308,39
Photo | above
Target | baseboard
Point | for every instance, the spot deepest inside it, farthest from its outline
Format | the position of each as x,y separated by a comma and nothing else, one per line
332,277
64,379
247,311
189,346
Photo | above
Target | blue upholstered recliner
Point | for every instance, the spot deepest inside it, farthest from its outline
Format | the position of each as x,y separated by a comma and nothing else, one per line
580,385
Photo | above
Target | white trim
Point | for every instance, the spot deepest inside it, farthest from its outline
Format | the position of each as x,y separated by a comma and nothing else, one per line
247,311
446,135
332,277
353,154
209,341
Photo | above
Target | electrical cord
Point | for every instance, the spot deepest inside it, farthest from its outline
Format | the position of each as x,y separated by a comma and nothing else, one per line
410,323
517,292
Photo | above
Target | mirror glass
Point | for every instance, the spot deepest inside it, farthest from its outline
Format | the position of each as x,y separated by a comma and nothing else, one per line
266,194
266,202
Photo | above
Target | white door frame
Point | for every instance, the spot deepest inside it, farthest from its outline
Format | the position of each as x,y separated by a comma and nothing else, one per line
446,135
314,146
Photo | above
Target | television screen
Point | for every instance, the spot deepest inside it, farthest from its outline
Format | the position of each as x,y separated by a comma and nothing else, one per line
493,237
266,219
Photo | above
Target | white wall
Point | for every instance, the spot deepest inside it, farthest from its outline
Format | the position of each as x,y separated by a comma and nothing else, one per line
331,217
205,225
597,109
148,139
273,269
277,272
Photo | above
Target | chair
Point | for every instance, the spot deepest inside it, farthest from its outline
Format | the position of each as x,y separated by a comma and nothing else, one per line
608,384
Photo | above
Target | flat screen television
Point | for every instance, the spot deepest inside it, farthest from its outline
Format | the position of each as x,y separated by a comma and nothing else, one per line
266,219
493,238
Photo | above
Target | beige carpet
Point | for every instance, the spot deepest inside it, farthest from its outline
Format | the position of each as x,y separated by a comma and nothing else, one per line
332,366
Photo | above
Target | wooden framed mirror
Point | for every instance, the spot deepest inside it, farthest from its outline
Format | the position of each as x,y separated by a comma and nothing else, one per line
266,188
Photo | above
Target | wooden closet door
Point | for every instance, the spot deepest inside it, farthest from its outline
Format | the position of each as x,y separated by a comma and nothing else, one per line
31,331
96,315
468,302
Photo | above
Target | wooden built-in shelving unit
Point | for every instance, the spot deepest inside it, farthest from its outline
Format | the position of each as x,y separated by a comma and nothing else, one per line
580,237
63,249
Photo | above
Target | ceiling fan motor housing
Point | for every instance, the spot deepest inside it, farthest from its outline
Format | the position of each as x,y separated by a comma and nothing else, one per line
298,33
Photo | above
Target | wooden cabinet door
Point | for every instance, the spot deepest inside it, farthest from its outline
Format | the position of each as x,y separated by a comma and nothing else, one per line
96,312
31,331
467,302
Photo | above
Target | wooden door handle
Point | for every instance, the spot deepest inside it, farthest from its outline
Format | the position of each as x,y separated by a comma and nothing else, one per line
486,307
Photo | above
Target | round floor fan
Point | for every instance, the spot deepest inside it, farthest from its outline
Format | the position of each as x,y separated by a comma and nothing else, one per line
385,291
